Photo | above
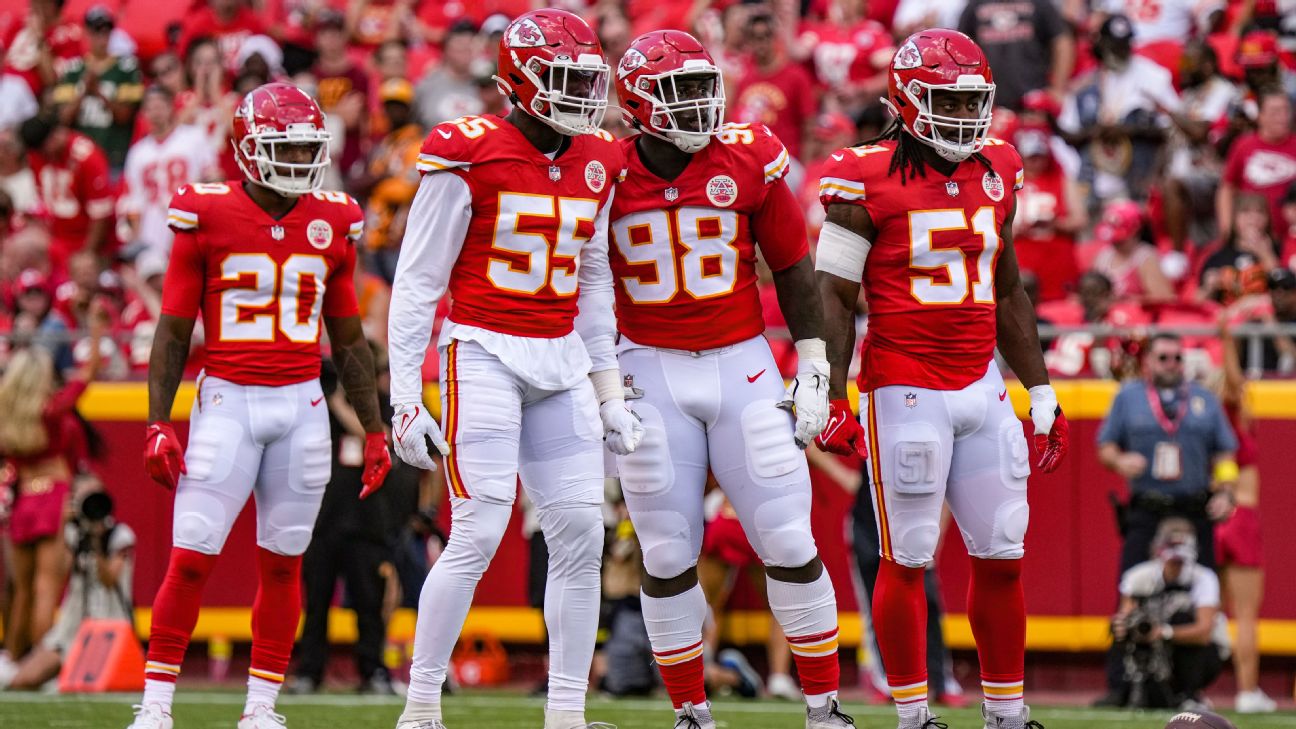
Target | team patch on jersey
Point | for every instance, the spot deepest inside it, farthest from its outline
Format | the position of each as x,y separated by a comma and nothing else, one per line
319,233
722,191
907,57
629,62
595,176
525,34
993,186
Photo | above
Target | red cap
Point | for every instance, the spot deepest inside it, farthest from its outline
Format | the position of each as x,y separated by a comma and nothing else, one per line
32,279
1257,49
1041,101
831,125
1120,220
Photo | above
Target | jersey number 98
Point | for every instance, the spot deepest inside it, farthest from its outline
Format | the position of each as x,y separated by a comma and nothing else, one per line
708,268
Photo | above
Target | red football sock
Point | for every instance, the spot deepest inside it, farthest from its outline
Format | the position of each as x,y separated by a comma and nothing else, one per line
683,675
816,662
997,611
900,624
275,614
175,612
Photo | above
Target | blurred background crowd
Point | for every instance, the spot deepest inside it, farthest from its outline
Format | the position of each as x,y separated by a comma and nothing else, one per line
1160,194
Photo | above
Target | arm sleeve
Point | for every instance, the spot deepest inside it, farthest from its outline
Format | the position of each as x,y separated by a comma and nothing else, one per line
182,290
434,235
780,229
596,320
340,294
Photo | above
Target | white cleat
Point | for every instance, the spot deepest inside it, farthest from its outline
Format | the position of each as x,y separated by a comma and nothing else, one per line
694,717
1021,721
828,717
924,720
262,717
781,686
151,716
1255,701
421,724
555,719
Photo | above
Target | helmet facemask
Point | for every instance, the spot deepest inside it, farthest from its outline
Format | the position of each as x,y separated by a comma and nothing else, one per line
264,151
572,95
686,104
954,138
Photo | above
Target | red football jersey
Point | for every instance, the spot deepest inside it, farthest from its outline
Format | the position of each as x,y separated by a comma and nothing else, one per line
262,284
74,189
929,276
851,55
683,251
531,215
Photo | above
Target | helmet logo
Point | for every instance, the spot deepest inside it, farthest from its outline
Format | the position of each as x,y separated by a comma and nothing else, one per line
722,191
629,62
907,57
319,233
993,186
525,34
595,176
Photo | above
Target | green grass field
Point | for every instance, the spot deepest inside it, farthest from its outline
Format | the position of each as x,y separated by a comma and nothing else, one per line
508,711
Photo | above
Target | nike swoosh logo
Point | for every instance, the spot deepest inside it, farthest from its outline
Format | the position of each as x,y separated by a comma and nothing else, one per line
444,134
753,378
406,421
839,157
317,401
1002,395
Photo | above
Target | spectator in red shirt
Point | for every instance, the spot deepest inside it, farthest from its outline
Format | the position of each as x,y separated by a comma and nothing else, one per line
849,53
228,22
1050,211
209,103
1262,162
343,90
1286,226
72,179
773,90
41,50
1126,260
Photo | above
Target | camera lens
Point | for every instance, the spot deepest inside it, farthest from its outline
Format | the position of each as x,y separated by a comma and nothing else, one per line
96,506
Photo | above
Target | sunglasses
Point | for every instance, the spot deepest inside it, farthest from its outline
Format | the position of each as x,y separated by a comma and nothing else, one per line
1170,358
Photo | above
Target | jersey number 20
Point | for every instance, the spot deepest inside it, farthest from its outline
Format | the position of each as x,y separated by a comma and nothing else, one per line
298,312
924,255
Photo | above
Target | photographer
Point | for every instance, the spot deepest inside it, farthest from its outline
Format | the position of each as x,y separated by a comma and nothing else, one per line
103,562
1169,630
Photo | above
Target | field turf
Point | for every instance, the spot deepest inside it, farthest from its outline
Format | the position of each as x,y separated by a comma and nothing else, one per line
510,711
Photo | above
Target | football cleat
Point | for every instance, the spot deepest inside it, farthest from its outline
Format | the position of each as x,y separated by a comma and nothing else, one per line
151,716
828,717
263,716
1021,721
924,720
421,724
694,717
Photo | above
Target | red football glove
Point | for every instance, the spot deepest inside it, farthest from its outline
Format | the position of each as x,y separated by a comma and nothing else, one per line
163,457
1052,448
377,463
843,434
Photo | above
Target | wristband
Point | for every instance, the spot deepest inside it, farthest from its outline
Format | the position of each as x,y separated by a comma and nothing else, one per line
607,385
1226,471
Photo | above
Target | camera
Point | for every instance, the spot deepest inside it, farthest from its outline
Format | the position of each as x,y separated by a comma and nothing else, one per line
95,509
1146,659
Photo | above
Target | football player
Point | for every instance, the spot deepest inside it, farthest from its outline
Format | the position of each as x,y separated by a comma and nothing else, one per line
511,219
698,199
264,262
923,217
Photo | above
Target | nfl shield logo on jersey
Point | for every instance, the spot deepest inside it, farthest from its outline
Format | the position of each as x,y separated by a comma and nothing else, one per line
993,186
911,400
722,191
555,173
277,232
319,233
672,194
951,188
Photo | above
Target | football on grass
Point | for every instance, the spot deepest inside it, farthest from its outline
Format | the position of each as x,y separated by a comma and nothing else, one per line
1198,720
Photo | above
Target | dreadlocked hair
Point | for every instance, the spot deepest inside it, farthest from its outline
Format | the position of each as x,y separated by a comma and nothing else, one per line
907,158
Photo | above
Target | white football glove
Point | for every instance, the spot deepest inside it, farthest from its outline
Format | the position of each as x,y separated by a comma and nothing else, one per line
415,433
807,396
622,430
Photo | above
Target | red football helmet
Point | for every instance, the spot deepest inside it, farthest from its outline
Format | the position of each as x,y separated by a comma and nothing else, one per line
553,64
671,88
941,60
269,119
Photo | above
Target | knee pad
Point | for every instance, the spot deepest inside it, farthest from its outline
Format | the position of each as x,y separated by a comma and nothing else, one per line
1012,515
649,470
476,528
767,438
201,522
286,528
782,537
573,532
914,545
668,542
915,468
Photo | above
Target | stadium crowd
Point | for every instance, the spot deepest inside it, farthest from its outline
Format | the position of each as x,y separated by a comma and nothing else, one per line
1157,138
